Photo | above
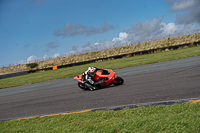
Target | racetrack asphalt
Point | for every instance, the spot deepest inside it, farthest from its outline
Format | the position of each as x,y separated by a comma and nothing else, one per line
171,80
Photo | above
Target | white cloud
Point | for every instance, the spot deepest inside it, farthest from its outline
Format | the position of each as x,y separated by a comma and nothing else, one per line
145,31
192,17
173,29
178,5
72,29
21,62
139,32
52,45
33,58
122,36
191,7
122,39
56,55
156,28
45,57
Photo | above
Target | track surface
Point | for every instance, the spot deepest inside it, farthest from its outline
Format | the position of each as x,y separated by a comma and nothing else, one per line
178,79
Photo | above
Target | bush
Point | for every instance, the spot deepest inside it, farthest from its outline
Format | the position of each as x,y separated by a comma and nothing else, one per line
32,65
192,44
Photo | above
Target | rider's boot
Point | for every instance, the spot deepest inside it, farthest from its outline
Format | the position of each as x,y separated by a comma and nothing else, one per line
93,88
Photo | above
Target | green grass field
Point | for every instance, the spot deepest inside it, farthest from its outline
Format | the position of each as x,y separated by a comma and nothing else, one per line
183,118
112,64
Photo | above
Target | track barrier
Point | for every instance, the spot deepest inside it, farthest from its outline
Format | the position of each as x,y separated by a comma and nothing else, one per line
14,74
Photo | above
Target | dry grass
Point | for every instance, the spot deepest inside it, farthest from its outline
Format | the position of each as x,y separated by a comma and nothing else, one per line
107,53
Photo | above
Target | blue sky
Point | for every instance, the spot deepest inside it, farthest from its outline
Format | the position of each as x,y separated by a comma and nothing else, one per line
39,29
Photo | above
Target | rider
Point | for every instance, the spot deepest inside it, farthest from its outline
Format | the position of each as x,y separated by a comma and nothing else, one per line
89,74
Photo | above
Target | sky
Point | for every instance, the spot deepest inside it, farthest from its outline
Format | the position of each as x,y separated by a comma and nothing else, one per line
33,30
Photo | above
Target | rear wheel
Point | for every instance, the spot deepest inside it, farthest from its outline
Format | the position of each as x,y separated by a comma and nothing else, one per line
119,80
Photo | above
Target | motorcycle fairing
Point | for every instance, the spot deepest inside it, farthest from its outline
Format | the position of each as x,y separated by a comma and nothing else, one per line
108,75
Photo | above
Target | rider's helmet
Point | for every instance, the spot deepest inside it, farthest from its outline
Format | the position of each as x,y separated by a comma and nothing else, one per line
91,71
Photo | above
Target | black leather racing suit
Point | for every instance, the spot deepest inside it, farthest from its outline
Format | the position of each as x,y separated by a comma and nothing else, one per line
87,77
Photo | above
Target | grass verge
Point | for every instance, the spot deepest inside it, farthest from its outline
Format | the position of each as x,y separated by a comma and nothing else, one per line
112,64
175,118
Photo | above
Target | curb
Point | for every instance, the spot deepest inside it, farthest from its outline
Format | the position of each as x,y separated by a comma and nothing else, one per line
121,107
195,101
84,111
167,103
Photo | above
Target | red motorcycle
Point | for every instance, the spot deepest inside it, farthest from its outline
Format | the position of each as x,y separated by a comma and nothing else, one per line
106,75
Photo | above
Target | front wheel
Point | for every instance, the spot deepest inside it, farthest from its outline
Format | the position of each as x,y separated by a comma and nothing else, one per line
82,86
119,80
